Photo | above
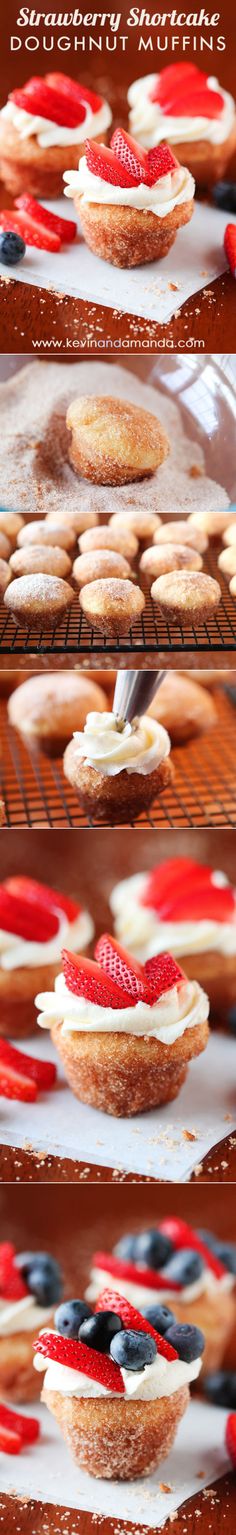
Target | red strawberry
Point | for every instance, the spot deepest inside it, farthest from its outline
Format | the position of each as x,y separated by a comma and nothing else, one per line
12,1286
42,895
74,92
182,89
183,1235
119,1269
33,234
126,972
172,76
85,979
10,1441
103,162
28,1429
199,102
15,1083
110,1301
130,155
162,972
43,1073
181,888
165,880
230,1437
160,162
79,1357
64,228
39,99
26,920
230,247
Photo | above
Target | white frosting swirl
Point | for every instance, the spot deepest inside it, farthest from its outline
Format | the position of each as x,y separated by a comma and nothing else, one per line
182,1007
149,124
166,194
49,134
16,952
138,748
161,1378
144,934
142,1295
22,1316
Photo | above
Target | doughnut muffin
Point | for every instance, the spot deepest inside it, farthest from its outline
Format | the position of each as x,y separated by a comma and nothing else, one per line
42,125
181,532
79,521
5,577
118,770
30,1287
50,707
128,1034
39,601
229,534
35,922
213,524
39,532
227,561
192,111
190,908
112,605
10,524
183,707
186,597
142,524
113,441
130,203
117,539
159,560
116,1387
43,558
98,564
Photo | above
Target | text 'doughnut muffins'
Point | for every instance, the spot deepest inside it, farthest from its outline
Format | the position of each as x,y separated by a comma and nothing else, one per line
125,1032
43,123
30,1287
131,202
35,922
116,1386
118,768
48,708
191,909
192,111
173,1268
112,441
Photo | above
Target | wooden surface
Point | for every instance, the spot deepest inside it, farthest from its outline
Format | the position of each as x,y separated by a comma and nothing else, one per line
82,328
212,1512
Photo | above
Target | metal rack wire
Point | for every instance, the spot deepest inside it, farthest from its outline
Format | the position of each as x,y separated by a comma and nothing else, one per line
152,632
36,793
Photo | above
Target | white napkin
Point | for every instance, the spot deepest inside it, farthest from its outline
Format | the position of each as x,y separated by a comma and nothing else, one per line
196,258
47,1472
155,1144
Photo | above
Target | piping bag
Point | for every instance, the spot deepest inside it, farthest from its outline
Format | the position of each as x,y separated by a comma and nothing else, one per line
134,692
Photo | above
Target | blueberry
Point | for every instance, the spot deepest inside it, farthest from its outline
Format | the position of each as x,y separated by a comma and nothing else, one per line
189,1341
220,1387
132,1350
232,1020
126,1249
224,195
43,1278
69,1316
153,1248
185,1267
12,248
226,1251
24,1262
160,1317
98,1331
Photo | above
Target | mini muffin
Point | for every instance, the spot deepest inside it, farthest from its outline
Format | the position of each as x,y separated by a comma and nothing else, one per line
112,606
131,204
109,538
30,1287
229,534
46,559
180,532
143,524
184,708
45,124
39,601
192,110
227,561
49,708
40,533
100,562
158,561
5,545
5,577
10,524
113,441
77,520
186,597
118,771
211,523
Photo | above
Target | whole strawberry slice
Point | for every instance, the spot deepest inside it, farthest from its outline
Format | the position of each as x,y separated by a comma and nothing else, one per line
119,1269
104,163
25,920
77,1356
160,162
28,1429
109,1300
131,156
12,1286
162,973
230,247
183,1235
125,971
66,229
41,895
10,1442
74,92
43,1073
230,1437
37,98
36,235
15,1083
84,978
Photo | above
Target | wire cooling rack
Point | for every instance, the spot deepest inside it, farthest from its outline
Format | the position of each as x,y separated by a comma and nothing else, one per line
36,793
152,632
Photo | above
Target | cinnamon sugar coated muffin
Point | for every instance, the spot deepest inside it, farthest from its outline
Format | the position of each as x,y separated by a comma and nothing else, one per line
143,524
158,561
48,708
112,606
116,771
40,533
39,600
227,560
186,597
77,520
5,577
180,532
99,563
11,523
130,205
212,523
183,707
113,441
46,559
109,538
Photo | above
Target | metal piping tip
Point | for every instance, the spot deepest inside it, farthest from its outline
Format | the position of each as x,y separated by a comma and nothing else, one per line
134,692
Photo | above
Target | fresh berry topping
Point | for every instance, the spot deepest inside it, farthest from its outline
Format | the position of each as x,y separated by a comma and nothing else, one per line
154,1248
126,1248
130,154
65,229
184,1266
26,918
73,92
161,1318
119,1269
161,162
12,1286
183,89
220,1388
32,233
182,889
230,1437
104,163
42,1073
225,1251
12,247
132,1319
132,1350
183,1235
162,973
79,1357
10,1441
42,896
39,99
171,76
28,1429
43,1277
69,1317
188,1340
230,247
224,195
125,971
125,164
85,979
98,1331
15,1083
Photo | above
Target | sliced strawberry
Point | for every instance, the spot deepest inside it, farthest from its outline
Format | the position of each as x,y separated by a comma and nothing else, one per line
109,1300
34,235
130,155
84,978
66,229
181,888
119,1269
15,1083
103,162
160,162
28,1429
182,89
74,92
19,917
230,1437
126,972
12,1286
230,247
165,879
199,103
78,1356
162,973
42,895
10,1441
183,1235
174,75
40,100
43,1073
